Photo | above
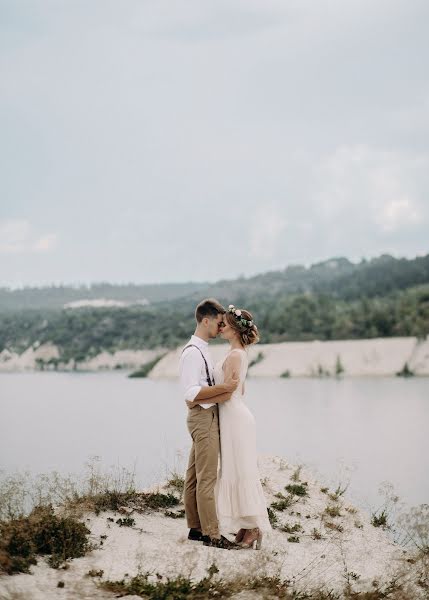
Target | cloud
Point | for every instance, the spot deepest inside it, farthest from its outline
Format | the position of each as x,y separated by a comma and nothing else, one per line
46,243
371,185
266,229
17,236
167,125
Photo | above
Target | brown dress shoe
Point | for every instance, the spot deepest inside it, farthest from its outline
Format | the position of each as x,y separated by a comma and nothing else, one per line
223,543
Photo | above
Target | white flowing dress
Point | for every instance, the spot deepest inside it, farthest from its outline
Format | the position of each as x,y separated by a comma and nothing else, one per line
240,500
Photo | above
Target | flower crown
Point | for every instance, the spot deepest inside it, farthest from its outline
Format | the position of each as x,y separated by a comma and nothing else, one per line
241,320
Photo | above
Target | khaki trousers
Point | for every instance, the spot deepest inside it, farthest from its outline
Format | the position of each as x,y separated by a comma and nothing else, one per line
201,474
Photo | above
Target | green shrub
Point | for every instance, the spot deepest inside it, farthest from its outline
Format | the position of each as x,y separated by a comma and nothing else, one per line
333,511
260,357
297,489
272,517
126,522
42,532
405,371
291,528
283,503
379,520
158,500
147,367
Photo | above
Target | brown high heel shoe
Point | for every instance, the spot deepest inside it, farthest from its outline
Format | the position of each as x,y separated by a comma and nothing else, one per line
254,539
240,535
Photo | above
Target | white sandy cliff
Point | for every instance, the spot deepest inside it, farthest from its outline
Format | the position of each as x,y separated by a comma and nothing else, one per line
370,357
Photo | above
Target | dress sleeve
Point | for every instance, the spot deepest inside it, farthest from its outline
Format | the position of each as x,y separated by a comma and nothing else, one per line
190,373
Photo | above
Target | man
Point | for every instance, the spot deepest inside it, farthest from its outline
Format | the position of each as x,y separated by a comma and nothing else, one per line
196,376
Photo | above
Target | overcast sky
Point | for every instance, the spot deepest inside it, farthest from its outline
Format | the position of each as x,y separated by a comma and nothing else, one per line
153,141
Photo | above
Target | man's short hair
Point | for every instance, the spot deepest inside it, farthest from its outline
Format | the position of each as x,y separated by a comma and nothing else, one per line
208,308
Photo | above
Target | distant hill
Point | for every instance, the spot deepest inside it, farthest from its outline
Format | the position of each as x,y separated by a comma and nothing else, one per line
337,277
335,299
55,297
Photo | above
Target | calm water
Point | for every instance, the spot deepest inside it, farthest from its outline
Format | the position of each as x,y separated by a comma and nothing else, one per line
365,430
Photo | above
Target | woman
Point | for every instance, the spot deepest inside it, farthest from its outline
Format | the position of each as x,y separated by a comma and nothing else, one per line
240,501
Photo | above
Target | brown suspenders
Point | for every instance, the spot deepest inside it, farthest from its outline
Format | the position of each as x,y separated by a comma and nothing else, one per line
210,381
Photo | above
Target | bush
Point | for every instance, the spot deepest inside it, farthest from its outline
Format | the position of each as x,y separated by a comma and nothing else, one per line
297,489
147,367
42,532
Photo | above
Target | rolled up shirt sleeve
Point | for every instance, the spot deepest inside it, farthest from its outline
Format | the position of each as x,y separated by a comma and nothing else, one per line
190,374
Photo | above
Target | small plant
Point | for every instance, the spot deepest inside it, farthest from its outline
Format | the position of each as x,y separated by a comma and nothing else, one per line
272,517
95,573
177,482
179,587
339,369
380,520
340,491
294,539
296,474
405,371
291,528
147,367
157,500
283,503
297,489
175,515
259,357
351,510
126,522
109,500
333,511
334,526
61,584
415,524
322,372
285,374
315,534
324,490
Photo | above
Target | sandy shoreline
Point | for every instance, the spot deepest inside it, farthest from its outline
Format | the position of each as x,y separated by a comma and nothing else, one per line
349,358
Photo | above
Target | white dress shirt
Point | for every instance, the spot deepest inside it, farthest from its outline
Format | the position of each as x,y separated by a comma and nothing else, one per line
192,369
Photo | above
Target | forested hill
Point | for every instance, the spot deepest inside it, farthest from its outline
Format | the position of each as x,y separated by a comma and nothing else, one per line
335,299
56,297
337,277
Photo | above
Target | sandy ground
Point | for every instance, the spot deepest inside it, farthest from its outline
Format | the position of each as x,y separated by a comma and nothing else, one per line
374,357
158,544
126,359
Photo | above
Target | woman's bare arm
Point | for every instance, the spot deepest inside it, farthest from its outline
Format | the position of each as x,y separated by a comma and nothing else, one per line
232,366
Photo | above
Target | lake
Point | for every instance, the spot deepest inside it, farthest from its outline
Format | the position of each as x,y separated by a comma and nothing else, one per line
366,430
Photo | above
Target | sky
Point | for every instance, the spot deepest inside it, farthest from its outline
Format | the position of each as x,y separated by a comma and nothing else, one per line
153,141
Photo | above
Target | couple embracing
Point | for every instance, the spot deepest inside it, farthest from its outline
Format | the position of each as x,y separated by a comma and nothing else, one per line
223,496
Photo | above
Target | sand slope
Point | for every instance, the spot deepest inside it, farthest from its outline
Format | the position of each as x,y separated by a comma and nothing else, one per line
379,356
372,357
158,544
